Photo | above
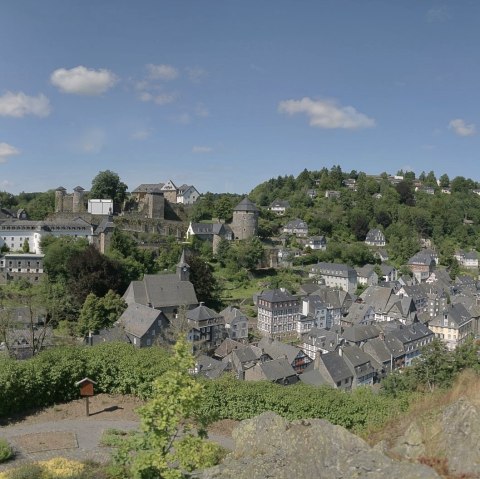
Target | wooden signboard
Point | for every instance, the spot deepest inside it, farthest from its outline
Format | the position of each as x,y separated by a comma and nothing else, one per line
86,391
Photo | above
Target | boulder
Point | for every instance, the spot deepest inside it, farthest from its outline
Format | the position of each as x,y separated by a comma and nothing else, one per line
269,446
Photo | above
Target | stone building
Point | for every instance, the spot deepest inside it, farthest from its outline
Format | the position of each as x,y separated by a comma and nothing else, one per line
245,220
150,200
15,266
70,203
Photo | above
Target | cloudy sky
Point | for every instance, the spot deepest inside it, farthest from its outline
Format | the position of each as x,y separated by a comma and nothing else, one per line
224,94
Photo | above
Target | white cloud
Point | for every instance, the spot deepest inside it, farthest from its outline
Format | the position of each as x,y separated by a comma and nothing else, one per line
162,72
141,135
438,14
461,128
196,74
83,81
6,151
165,98
202,149
19,105
6,184
327,114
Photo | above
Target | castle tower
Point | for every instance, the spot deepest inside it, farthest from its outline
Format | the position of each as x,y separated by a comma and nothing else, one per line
245,220
183,269
156,205
78,206
59,196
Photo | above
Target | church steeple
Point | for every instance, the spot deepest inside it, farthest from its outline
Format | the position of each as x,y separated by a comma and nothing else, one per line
183,269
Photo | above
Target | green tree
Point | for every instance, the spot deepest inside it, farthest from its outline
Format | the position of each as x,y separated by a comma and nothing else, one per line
58,252
436,367
92,272
168,446
444,181
97,313
202,278
107,185
26,246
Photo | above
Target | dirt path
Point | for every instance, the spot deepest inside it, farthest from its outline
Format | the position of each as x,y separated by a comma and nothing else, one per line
65,431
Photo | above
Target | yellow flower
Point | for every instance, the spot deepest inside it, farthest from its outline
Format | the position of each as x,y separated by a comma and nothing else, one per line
56,468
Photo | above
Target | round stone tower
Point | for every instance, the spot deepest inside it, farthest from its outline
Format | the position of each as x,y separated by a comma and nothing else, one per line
78,206
245,220
59,196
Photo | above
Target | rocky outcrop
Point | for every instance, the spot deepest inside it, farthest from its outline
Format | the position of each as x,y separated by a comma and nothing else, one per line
461,437
269,446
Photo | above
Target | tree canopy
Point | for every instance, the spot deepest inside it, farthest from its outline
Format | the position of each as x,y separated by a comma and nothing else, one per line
107,185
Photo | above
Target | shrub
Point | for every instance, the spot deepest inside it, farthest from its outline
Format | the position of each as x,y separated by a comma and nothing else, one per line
6,451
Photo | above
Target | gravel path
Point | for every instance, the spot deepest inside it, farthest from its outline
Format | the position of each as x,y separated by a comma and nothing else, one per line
87,431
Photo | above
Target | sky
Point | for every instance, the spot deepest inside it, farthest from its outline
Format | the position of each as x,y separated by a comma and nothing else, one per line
225,94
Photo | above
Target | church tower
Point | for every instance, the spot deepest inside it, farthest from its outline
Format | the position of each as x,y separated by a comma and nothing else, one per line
183,269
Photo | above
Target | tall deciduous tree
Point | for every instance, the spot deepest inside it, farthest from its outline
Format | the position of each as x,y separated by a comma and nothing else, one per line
107,185
97,313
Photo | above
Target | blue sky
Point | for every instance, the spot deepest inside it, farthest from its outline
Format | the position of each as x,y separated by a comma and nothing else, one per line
224,94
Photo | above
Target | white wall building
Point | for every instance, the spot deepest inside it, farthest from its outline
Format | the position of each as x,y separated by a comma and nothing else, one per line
14,233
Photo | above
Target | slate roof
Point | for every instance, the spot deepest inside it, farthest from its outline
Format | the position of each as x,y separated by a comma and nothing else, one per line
210,228
377,297
48,225
356,313
337,269
161,290
359,360
413,332
277,369
336,366
106,223
295,224
226,347
137,319
375,235
202,313
379,348
276,295
324,339
421,258
247,354
209,367
280,204
246,205
458,315
230,314
359,333
313,377
277,349
365,271
149,188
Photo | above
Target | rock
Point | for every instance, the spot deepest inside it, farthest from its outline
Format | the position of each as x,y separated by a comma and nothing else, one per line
461,437
269,446
410,445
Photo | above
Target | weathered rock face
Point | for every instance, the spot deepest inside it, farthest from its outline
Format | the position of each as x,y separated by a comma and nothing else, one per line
452,434
269,446
461,437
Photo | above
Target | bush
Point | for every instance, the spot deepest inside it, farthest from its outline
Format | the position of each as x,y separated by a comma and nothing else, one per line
50,377
6,451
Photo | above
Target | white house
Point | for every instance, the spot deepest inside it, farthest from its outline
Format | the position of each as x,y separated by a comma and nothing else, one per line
14,233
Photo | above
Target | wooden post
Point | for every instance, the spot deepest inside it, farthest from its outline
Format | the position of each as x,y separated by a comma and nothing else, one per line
86,390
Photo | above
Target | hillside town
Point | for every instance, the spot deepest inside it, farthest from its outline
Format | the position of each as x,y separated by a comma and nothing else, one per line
339,324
